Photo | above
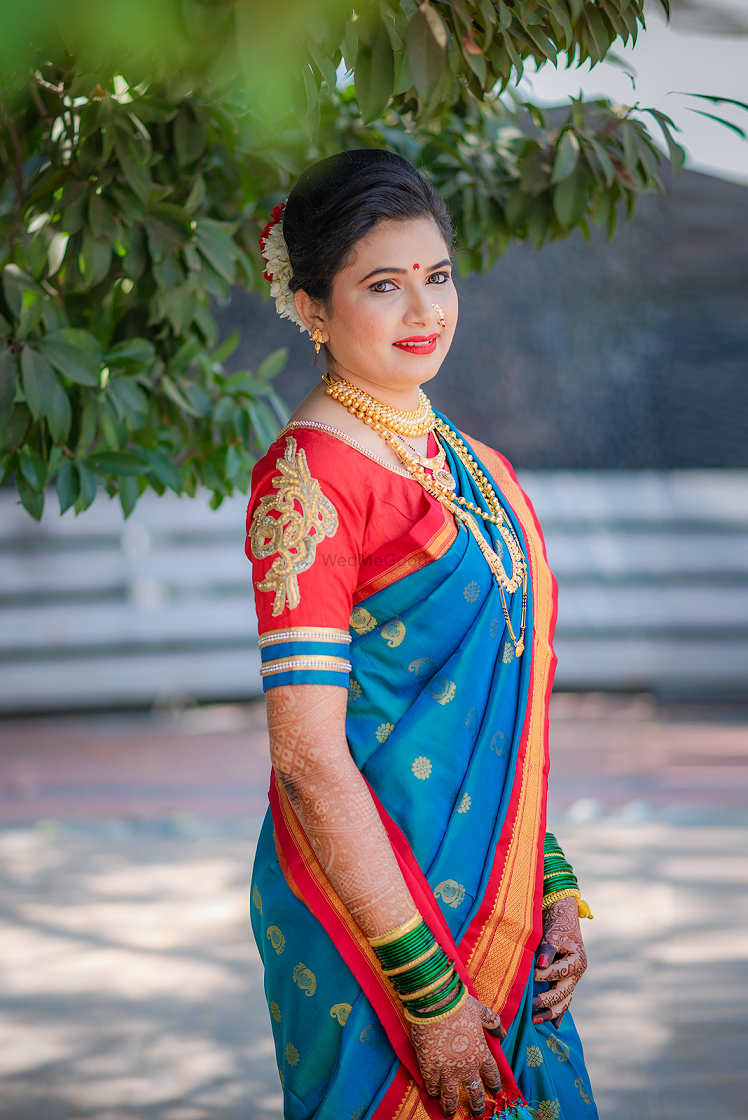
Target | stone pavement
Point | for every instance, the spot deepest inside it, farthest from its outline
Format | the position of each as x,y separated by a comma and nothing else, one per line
132,988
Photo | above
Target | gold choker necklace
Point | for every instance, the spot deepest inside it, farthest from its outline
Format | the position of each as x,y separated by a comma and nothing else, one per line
359,403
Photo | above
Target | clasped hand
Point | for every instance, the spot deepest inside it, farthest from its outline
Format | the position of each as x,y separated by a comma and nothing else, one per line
561,961
455,1052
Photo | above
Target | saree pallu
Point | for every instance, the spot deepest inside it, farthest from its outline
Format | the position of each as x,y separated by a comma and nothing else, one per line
449,729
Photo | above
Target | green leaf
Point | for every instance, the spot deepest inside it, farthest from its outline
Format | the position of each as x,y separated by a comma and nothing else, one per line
129,493
677,155
124,464
75,353
95,259
375,76
129,399
8,382
426,58
132,353
60,415
68,486
226,349
32,500
217,247
133,163
567,155
571,196
273,364
717,100
176,397
87,480
265,424
189,137
164,469
154,109
33,468
13,431
39,381
721,120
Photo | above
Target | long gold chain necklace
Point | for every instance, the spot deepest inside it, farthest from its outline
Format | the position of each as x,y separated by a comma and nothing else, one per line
390,423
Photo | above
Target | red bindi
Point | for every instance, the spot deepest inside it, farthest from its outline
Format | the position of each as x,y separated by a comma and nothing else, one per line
416,267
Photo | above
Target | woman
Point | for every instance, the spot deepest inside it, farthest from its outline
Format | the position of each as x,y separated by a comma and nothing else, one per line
405,613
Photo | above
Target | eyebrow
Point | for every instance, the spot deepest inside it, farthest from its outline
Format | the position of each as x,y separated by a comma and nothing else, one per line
404,271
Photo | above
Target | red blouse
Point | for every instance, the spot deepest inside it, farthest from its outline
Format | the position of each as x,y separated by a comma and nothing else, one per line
328,524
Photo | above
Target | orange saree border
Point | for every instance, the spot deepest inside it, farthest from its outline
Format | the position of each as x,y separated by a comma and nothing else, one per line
499,945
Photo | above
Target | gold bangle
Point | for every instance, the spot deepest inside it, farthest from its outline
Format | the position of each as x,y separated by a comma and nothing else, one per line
549,899
412,964
438,1018
395,934
429,987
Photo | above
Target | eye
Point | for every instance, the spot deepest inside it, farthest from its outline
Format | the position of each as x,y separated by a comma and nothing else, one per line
383,286
438,278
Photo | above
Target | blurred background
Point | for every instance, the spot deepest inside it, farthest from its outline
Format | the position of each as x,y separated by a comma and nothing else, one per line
133,747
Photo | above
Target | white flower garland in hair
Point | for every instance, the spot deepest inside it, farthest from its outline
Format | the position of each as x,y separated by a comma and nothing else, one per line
279,272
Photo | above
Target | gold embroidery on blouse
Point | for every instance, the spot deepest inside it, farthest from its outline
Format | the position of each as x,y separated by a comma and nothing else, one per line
295,534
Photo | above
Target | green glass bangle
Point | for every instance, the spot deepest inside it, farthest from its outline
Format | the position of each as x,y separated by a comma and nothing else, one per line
443,1010
408,947
423,975
561,886
417,1005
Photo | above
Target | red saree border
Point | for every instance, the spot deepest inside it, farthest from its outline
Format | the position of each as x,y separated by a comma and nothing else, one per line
309,883
500,942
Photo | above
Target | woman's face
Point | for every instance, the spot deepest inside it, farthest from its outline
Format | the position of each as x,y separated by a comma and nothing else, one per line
381,325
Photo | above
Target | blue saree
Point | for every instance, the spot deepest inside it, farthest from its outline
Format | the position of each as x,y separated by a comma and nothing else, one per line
449,728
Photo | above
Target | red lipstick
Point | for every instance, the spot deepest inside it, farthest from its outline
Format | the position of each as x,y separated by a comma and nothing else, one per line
418,344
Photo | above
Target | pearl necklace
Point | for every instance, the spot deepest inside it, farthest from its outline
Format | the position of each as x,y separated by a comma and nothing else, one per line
388,423
359,403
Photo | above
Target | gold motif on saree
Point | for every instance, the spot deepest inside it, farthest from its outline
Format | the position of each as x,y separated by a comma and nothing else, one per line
275,1011
471,721
393,632
559,1048
354,691
549,1110
292,1054
472,591
305,978
373,1035
359,1113
305,518
494,627
383,731
498,743
341,1011
361,621
423,667
421,767
256,898
508,653
465,804
450,892
534,1056
442,690
579,1084
276,939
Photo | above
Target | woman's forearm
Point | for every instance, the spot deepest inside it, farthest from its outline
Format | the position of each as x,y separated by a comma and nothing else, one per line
311,758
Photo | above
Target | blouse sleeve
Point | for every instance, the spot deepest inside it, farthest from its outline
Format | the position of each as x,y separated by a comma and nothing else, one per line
305,525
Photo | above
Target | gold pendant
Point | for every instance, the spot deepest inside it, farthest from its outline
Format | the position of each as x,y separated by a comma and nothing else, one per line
519,649
445,479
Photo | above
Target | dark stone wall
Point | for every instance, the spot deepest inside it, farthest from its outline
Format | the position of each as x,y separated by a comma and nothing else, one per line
630,354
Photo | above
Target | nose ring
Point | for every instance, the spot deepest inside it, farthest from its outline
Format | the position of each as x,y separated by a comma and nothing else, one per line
439,314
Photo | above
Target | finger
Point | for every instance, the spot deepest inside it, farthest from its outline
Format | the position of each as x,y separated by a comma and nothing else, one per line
545,954
555,995
450,1093
491,1021
476,1093
431,1081
557,1021
542,1016
489,1071
568,964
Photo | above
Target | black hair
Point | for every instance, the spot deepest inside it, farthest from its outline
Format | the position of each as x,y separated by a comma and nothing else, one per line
338,201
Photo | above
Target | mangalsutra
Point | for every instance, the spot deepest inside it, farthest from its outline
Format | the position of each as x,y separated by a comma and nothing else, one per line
390,424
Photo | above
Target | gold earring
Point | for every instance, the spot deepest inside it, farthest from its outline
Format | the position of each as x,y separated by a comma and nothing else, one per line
317,338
